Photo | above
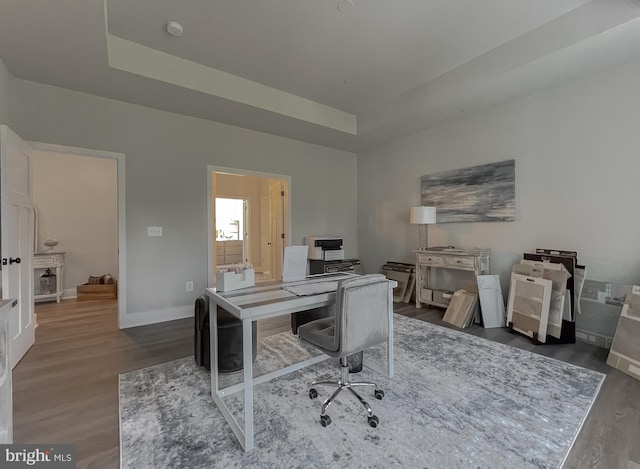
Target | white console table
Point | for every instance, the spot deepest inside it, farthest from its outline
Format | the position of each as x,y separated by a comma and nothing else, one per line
470,260
55,262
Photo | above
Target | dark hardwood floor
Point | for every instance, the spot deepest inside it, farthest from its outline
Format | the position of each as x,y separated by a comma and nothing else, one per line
65,389
66,386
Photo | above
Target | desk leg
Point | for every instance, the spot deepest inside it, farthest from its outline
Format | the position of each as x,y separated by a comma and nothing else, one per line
247,361
390,340
418,285
217,394
213,347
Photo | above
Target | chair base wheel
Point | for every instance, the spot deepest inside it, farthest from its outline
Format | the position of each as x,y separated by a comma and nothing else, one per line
373,421
379,393
313,393
325,420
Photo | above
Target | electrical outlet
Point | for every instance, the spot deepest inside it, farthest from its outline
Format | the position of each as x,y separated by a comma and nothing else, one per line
154,231
189,286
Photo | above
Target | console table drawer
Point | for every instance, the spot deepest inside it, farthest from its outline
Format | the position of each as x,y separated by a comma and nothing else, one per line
425,259
462,262
44,261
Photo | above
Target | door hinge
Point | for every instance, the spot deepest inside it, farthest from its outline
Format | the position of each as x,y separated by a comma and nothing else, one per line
282,193
282,235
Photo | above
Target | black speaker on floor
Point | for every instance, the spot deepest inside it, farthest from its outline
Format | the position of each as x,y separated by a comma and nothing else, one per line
201,342
229,338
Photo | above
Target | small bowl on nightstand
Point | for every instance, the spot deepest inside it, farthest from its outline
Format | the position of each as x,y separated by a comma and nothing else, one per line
51,244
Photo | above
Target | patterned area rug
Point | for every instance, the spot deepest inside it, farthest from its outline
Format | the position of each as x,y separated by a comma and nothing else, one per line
457,401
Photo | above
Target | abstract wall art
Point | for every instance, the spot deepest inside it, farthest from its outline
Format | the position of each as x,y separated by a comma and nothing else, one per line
478,193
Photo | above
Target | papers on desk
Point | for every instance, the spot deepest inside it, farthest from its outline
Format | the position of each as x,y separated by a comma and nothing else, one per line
295,263
312,288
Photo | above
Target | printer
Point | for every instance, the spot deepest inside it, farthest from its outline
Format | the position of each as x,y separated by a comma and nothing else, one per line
324,248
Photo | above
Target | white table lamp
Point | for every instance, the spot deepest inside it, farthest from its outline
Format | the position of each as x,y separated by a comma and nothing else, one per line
422,216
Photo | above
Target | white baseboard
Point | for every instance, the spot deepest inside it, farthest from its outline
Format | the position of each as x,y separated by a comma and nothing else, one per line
69,293
144,318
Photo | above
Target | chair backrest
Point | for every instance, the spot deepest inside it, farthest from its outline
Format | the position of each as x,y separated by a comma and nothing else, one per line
362,313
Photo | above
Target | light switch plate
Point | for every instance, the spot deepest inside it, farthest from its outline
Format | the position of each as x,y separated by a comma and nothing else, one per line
154,231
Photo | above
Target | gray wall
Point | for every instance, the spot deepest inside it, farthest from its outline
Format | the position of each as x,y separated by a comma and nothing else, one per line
4,94
166,183
577,164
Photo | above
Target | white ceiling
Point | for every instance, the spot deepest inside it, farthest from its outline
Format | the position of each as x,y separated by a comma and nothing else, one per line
302,69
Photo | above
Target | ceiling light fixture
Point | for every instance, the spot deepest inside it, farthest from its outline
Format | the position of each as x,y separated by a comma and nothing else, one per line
344,5
174,28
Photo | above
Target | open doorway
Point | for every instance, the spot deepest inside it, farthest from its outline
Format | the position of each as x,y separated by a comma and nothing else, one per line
254,232
79,194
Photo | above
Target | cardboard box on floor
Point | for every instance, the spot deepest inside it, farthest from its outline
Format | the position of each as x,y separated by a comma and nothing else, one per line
104,291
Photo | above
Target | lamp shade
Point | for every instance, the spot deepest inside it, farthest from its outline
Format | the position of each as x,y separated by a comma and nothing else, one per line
422,215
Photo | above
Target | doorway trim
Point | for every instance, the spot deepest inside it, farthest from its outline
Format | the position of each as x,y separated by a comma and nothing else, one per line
211,169
122,231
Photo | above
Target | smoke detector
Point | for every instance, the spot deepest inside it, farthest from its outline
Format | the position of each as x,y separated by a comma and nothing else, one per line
174,28
344,5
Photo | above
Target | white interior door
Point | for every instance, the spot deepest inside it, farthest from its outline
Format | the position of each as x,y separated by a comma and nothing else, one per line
16,240
265,237
276,197
246,229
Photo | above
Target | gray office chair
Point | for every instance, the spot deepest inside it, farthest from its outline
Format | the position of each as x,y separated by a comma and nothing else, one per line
361,321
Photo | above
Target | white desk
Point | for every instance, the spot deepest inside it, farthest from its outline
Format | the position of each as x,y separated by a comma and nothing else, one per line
260,302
